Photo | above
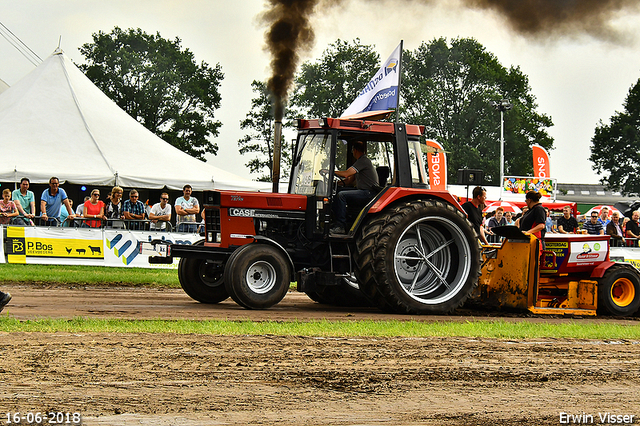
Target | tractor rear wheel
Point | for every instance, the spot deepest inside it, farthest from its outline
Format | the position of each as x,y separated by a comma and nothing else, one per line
422,257
619,291
202,279
257,276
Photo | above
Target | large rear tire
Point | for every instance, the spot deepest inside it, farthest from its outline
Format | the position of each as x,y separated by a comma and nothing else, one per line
619,291
421,257
257,276
202,279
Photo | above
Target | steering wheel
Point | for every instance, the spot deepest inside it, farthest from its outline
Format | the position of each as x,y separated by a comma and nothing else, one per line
336,179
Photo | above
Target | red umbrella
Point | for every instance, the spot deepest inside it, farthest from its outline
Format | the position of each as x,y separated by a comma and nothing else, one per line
598,208
507,206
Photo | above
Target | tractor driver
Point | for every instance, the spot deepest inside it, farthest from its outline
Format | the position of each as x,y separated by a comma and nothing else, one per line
365,177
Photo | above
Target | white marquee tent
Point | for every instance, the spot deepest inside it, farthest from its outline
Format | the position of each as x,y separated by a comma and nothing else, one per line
3,86
56,122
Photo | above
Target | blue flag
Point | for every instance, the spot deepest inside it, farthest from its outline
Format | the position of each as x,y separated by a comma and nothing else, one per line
381,92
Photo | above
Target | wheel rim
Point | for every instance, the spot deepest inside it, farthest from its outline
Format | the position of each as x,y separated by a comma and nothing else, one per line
211,273
623,292
261,277
351,280
431,260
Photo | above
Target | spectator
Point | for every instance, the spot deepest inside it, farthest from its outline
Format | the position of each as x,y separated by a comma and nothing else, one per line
51,202
549,222
593,227
202,222
534,218
25,201
519,217
567,224
604,217
133,209
80,208
94,208
4,299
8,208
508,217
614,229
473,208
187,208
633,229
160,213
64,214
486,217
497,219
113,209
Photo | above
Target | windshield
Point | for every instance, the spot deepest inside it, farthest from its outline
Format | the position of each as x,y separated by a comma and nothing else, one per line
417,161
313,156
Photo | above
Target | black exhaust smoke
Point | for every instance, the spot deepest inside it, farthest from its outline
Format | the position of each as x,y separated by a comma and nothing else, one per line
290,32
545,19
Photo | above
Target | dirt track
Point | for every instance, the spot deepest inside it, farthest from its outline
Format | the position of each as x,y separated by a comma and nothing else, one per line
155,379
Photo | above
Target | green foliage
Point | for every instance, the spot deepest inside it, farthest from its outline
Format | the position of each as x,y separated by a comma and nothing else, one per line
327,87
259,123
159,84
449,88
615,147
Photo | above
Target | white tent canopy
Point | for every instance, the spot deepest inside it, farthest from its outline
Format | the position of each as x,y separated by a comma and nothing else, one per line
3,86
56,122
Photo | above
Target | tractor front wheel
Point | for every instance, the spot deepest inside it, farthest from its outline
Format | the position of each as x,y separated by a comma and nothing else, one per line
257,276
619,291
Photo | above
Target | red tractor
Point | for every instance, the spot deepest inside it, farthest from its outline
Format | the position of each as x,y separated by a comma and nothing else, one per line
408,250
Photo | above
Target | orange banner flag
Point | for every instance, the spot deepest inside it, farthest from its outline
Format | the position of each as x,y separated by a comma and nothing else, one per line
541,167
437,163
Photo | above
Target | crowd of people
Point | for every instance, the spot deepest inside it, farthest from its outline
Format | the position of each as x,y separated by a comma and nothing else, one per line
623,231
56,209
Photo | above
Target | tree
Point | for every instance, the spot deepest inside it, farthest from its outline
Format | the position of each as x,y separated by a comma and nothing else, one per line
159,84
260,123
615,147
450,88
327,87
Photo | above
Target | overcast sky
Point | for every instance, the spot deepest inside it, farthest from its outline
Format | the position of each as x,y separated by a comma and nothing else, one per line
577,79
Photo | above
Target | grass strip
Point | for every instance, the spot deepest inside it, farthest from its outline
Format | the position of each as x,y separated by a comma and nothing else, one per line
499,329
89,275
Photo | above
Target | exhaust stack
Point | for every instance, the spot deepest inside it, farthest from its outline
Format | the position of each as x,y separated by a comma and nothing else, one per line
277,148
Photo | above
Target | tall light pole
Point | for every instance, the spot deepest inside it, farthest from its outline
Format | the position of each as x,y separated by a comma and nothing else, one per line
502,106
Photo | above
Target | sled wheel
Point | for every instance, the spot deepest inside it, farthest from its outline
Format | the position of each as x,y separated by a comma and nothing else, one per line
257,276
619,291
421,258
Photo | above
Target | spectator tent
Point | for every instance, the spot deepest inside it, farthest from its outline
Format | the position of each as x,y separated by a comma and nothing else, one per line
56,122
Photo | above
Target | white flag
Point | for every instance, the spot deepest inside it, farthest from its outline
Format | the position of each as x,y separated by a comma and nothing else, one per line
381,93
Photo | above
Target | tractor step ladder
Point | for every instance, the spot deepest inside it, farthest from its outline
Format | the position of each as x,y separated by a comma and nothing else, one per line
338,251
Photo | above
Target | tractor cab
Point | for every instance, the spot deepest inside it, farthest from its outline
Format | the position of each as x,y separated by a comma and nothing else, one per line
325,145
